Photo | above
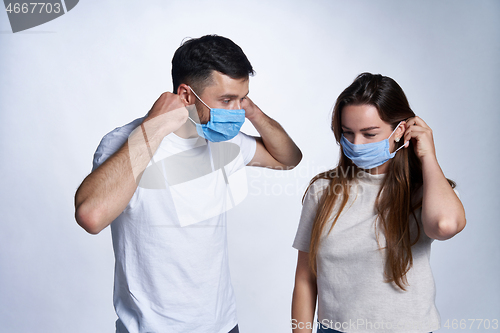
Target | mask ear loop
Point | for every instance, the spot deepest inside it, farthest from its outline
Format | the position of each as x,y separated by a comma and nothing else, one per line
399,149
393,133
194,122
199,98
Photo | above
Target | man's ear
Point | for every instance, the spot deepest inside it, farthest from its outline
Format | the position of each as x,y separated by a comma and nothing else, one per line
184,92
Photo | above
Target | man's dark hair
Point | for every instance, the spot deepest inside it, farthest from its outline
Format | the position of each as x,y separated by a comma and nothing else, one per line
195,59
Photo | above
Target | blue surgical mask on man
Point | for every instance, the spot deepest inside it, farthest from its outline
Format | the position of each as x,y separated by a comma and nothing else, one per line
369,155
223,124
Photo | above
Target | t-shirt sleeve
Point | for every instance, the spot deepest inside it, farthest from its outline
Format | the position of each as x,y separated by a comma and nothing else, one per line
247,144
109,145
112,141
309,210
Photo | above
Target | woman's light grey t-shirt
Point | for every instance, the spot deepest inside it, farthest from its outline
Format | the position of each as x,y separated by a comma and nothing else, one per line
352,293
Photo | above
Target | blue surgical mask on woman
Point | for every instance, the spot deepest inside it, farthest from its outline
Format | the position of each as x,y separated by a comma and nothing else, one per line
369,155
223,125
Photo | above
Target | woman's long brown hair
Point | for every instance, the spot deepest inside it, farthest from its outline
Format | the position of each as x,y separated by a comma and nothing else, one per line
394,203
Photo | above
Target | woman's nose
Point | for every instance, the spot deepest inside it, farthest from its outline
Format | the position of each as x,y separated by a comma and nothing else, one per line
358,139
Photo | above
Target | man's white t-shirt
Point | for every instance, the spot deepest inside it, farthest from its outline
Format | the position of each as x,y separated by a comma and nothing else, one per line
170,245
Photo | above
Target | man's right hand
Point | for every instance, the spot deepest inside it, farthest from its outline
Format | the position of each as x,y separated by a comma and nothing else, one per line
105,193
170,110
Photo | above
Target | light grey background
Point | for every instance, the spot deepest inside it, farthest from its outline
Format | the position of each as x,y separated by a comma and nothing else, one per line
65,84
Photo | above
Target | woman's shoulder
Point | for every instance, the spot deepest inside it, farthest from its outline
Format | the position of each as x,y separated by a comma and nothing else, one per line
318,186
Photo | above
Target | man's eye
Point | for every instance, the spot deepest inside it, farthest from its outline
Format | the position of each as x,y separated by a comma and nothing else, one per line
226,101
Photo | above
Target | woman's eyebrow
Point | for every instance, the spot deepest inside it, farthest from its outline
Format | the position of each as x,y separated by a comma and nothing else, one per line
369,128
363,129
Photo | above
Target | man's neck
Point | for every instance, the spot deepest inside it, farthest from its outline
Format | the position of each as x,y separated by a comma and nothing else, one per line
187,131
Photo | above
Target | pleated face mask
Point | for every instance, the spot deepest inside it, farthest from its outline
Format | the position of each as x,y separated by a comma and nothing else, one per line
223,125
369,155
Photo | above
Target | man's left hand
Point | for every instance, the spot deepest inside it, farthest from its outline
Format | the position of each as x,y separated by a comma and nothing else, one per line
251,110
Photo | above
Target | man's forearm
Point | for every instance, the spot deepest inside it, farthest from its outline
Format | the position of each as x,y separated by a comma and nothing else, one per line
105,193
276,140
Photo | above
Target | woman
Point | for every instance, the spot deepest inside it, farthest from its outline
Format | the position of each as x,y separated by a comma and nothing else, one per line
367,225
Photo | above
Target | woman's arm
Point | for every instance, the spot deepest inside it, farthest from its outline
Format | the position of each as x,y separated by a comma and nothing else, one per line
304,296
443,215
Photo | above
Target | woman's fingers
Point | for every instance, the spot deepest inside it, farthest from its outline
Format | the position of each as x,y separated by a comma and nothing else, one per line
421,135
416,121
415,127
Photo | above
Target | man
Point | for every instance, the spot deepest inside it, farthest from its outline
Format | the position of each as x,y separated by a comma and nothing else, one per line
164,183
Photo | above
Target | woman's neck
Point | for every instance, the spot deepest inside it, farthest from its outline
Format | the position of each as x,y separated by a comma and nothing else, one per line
380,169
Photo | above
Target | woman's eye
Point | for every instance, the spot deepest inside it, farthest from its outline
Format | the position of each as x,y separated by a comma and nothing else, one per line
370,135
347,133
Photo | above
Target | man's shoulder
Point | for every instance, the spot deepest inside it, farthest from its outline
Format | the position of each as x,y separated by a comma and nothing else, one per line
112,141
240,138
247,144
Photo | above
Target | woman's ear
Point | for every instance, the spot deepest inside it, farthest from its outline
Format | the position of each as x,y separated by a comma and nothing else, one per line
184,92
400,131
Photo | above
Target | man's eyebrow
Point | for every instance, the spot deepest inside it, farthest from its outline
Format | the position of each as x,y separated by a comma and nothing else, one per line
232,96
363,129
